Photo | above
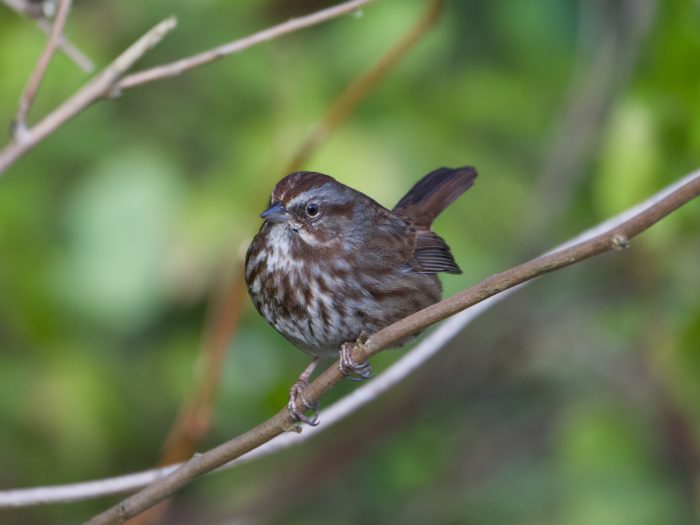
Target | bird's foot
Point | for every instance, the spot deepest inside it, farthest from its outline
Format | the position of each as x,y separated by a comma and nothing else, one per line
296,394
351,368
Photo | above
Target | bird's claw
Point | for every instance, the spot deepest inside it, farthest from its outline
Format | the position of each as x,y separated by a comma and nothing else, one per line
296,394
351,368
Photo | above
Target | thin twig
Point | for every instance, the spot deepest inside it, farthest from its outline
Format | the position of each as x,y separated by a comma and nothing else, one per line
349,404
89,93
111,81
617,238
180,66
346,103
19,124
22,7
69,48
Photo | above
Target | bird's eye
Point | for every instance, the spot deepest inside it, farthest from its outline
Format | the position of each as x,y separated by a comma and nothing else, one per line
312,209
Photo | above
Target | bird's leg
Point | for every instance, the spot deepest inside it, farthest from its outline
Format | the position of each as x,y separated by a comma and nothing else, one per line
351,368
296,393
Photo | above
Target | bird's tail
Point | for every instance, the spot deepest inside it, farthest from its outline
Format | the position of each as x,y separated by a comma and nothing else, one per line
435,192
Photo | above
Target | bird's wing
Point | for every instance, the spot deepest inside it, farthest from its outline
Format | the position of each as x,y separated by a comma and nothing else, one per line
433,254
397,242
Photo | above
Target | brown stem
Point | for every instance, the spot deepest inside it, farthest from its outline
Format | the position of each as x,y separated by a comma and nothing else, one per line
614,239
346,103
19,124
23,7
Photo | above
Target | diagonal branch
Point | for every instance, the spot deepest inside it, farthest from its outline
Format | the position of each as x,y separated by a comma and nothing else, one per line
185,64
336,412
355,92
19,124
24,7
616,238
85,96
112,81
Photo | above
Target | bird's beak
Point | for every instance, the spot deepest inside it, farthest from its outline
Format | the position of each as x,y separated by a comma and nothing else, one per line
275,213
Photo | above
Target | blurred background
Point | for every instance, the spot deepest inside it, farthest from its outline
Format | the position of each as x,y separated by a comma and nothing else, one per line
127,340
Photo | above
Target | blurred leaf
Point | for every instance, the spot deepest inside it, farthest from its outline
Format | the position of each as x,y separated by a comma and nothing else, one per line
118,224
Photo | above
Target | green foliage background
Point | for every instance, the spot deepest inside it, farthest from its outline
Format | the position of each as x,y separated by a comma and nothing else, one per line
574,402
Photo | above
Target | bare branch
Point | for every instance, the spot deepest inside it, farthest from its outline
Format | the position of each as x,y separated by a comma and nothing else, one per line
95,89
614,239
185,64
19,125
111,81
69,48
359,397
23,7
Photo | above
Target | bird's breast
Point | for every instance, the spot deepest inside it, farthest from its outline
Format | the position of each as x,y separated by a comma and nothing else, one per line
318,300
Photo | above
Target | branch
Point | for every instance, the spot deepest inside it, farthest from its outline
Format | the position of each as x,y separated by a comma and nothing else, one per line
110,82
19,124
95,89
355,92
335,413
614,239
23,7
359,397
194,417
185,64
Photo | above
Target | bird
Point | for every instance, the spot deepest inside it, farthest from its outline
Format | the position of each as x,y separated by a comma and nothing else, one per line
330,265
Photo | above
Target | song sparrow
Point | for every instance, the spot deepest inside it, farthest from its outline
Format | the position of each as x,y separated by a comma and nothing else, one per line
330,263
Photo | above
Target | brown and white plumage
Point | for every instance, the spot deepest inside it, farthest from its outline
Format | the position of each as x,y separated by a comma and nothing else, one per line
330,263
